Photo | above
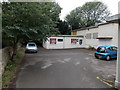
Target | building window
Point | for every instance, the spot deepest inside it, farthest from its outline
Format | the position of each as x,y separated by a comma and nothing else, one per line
60,40
52,40
74,41
88,36
95,35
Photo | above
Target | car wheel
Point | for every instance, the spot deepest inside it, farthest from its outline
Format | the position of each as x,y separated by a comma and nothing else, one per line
25,51
96,57
108,58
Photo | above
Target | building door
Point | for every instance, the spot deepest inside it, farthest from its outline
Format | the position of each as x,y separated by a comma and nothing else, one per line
80,41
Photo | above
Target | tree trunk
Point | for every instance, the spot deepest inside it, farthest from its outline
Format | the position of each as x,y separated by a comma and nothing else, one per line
14,53
14,50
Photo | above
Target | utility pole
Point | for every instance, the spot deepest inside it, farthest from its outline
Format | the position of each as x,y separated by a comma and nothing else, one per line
117,81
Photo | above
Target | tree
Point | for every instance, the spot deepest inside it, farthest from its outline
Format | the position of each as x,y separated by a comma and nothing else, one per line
63,27
88,15
28,21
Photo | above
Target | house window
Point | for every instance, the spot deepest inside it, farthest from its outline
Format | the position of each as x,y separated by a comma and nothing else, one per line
52,40
88,36
74,41
95,35
60,40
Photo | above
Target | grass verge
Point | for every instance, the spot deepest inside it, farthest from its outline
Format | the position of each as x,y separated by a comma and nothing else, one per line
11,68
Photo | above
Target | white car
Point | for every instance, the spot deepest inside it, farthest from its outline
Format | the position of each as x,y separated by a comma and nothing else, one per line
31,47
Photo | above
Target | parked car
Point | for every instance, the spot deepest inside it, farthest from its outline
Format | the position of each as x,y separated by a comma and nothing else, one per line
31,47
106,52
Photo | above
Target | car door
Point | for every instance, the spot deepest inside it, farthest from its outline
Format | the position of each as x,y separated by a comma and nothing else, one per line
114,49
113,52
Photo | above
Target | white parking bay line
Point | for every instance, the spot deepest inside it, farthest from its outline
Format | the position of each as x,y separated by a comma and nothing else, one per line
77,63
46,66
67,59
87,58
61,61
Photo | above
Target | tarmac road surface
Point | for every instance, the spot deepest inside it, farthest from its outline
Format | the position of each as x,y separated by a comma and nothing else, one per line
70,68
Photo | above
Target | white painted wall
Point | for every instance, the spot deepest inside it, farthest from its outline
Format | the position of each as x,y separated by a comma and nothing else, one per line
65,44
58,45
105,30
68,43
117,81
89,42
110,29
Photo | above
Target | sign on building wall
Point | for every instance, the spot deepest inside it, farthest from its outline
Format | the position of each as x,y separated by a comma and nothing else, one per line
52,40
74,41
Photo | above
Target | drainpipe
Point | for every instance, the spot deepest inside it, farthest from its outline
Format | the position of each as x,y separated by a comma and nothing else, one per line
117,81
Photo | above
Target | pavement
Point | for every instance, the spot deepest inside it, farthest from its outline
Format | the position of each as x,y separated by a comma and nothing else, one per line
69,68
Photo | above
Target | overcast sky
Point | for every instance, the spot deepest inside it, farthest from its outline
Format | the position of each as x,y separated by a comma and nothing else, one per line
69,5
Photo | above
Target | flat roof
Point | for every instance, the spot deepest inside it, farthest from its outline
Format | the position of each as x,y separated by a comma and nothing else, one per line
68,36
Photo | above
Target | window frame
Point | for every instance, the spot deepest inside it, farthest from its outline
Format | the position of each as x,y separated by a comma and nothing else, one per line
60,39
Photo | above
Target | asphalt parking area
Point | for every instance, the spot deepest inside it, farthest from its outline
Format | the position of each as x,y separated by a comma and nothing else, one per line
70,68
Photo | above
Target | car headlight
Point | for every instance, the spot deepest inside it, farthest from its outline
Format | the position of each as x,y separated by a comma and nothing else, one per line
27,48
35,48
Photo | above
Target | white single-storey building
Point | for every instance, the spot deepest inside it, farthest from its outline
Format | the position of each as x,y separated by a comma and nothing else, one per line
99,35
64,41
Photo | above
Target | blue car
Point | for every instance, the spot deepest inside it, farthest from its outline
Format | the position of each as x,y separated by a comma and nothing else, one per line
106,52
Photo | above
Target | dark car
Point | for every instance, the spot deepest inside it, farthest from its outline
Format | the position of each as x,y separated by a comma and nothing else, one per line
106,52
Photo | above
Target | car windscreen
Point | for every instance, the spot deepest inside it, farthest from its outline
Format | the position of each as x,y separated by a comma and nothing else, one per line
101,49
31,45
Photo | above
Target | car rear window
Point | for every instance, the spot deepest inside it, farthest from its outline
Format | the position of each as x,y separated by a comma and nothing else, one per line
101,49
31,44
